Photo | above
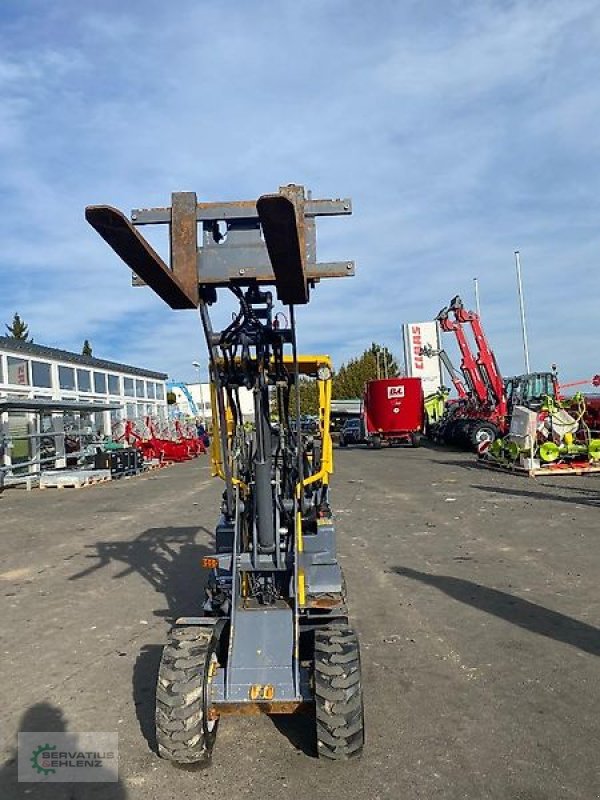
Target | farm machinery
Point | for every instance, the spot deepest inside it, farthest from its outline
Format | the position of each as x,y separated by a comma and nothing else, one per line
483,410
553,438
393,411
174,443
273,635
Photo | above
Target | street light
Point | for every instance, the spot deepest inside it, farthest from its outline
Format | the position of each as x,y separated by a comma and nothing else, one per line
197,365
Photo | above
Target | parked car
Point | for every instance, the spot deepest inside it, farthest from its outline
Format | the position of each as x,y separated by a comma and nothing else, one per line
352,432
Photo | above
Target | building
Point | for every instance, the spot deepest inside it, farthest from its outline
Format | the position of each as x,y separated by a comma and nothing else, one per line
32,371
195,400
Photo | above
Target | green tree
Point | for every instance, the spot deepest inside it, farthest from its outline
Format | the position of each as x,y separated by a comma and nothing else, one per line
18,329
86,349
375,362
309,397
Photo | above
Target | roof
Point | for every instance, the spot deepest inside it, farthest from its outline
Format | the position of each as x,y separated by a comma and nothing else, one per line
9,404
309,364
12,345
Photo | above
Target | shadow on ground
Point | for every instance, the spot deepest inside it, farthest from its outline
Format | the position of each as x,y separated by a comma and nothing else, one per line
577,496
168,558
300,730
47,718
466,463
529,616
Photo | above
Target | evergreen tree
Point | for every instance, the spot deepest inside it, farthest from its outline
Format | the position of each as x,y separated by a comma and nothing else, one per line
19,329
87,349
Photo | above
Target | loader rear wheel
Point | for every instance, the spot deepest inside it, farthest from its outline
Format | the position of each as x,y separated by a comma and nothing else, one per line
184,733
338,694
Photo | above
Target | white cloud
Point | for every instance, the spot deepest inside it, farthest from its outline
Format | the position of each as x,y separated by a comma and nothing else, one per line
459,136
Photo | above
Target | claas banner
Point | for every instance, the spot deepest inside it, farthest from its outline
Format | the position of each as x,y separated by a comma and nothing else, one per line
417,337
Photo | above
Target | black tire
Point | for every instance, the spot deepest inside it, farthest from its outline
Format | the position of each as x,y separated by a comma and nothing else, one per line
183,732
343,442
464,433
338,694
415,440
481,431
376,442
448,432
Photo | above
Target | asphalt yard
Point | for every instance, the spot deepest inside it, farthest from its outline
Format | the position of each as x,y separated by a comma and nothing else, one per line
475,595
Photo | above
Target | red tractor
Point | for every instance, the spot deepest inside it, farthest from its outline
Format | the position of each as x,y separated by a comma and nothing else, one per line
393,411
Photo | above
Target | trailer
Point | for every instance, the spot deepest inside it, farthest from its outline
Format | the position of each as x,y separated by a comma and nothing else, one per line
393,411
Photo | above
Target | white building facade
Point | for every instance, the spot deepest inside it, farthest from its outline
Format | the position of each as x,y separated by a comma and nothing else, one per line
32,371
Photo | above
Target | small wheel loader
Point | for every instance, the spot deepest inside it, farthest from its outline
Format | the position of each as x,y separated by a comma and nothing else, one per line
273,634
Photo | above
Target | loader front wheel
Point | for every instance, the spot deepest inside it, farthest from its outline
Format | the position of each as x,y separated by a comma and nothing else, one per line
338,694
184,733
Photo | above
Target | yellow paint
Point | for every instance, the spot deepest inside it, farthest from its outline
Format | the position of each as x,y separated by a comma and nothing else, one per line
260,691
301,588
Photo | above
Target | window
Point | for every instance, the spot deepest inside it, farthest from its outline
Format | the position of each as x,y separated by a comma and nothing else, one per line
84,380
2,373
114,384
128,387
139,389
100,382
40,374
130,409
160,391
66,377
18,371
150,393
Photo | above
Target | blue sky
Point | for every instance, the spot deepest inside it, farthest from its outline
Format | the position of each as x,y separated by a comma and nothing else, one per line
461,130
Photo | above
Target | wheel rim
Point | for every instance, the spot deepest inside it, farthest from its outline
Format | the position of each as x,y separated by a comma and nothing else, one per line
484,435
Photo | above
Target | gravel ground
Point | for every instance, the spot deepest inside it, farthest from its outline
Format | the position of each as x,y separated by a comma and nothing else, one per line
475,594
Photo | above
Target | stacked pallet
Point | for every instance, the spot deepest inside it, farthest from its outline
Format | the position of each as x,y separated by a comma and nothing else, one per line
73,478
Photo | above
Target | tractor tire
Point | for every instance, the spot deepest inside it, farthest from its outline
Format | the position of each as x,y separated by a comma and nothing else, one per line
376,442
481,431
184,735
448,434
338,694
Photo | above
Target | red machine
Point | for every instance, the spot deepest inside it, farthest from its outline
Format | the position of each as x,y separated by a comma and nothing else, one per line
184,447
482,415
393,411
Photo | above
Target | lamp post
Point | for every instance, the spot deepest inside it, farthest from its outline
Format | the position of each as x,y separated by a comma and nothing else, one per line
476,286
522,310
197,365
